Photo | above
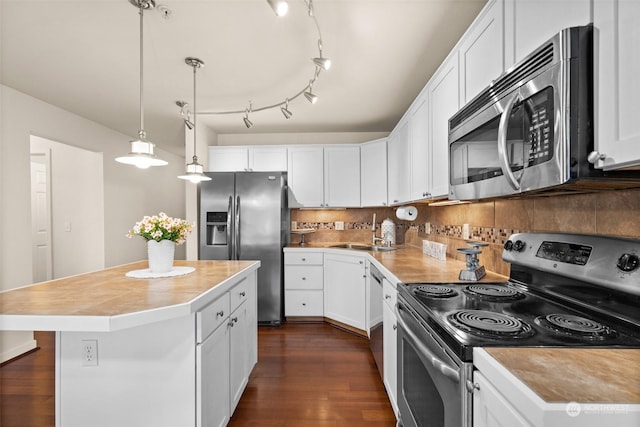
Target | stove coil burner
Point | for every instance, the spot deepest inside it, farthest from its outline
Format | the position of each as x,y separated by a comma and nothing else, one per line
494,292
490,324
575,326
435,291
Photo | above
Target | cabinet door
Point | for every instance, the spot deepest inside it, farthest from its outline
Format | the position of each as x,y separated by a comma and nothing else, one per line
306,176
238,355
491,408
228,159
530,23
344,289
482,51
617,90
419,148
443,98
342,176
373,173
389,353
398,164
212,380
268,159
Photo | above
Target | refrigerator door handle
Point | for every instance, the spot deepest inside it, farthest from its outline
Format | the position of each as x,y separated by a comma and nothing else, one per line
238,227
229,242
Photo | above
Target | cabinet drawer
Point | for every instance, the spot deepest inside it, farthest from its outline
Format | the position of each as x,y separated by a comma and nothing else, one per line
303,258
210,317
303,277
303,303
389,294
240,293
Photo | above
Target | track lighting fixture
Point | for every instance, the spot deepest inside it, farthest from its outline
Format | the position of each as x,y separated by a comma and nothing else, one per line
141,154
319,62
280,7
285,110
195,171
309,94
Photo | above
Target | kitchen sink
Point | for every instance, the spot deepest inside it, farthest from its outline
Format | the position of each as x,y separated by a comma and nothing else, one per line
360,247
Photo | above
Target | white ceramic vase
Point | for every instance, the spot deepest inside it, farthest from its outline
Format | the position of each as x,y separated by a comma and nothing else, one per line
160,255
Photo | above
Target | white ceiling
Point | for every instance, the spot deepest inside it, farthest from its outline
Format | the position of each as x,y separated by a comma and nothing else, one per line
83,56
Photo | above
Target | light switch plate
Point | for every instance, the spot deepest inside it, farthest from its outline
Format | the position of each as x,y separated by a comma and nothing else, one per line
339,225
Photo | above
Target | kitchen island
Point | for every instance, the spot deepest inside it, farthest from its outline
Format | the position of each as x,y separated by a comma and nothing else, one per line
130,352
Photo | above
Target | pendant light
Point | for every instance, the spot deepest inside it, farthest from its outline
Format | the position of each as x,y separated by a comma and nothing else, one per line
141,154
195,171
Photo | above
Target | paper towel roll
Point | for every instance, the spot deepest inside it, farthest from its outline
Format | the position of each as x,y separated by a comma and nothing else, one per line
407,213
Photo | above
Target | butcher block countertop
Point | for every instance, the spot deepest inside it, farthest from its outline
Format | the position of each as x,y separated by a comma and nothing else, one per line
575,374
107,300
408,264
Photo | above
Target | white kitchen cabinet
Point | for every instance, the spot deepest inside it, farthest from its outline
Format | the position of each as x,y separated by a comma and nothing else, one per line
389,342
398,164
253,158
444,102
228,159
212,379
617,128
530,23
303,283
373,173
239,346
342,176
345,289
419,158
481,51
491,408
306,176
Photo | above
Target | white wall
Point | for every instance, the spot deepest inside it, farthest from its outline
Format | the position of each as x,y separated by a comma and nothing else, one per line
129,193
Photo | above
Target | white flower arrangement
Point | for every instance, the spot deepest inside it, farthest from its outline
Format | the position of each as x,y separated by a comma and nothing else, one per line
162,227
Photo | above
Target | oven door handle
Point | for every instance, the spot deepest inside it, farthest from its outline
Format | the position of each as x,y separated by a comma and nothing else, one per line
449,372
503,158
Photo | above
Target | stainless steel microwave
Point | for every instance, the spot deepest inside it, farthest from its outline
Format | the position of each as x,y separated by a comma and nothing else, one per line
531,129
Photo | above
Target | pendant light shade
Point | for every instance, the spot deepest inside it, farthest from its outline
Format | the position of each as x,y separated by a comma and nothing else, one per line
195,171
141,152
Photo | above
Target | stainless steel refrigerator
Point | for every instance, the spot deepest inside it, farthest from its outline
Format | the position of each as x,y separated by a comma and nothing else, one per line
245,216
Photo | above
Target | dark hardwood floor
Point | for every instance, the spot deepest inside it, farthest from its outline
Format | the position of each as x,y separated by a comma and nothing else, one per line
310,375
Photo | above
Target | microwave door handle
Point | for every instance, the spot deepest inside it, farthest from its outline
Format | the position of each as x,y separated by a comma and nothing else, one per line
441,366
502,143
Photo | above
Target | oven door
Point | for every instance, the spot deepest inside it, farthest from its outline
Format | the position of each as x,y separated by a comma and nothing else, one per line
431,389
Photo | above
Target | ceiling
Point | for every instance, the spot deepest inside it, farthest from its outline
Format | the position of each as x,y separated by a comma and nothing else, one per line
83,56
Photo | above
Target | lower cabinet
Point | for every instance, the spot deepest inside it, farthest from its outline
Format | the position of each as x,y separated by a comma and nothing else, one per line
345,289
303,283
390,342
212,379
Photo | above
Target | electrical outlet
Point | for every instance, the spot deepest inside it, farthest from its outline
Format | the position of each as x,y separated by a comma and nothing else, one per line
465,231
427,228
89,352
294,225
339,225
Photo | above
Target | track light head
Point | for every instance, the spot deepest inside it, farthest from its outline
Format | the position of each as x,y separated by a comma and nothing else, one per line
285,110
189,124
309,94
324,63
280,7
247,122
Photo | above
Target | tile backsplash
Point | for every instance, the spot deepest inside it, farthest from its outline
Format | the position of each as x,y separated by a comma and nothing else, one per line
609,212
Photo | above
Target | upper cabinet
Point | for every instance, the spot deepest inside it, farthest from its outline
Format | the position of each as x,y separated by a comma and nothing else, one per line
253,158
419,144
530,23
481,51
373,173
617,130
342,176
306,176
398,164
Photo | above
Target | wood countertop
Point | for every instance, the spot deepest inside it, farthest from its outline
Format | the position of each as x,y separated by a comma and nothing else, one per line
575,374
107,300
408,264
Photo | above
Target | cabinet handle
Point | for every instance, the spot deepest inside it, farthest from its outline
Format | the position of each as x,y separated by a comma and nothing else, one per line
384,203
233,320
396,201
220,314
387,296
395,326
243,293
361,262
364,275
304,278
304,259
304,304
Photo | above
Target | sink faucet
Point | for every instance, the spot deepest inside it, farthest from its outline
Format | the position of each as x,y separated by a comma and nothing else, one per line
374,239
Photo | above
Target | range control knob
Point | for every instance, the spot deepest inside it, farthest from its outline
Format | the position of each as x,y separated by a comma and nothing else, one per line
508,245
628,262
519,245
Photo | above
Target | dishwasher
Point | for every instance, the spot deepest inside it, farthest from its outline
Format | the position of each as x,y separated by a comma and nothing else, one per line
375,316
